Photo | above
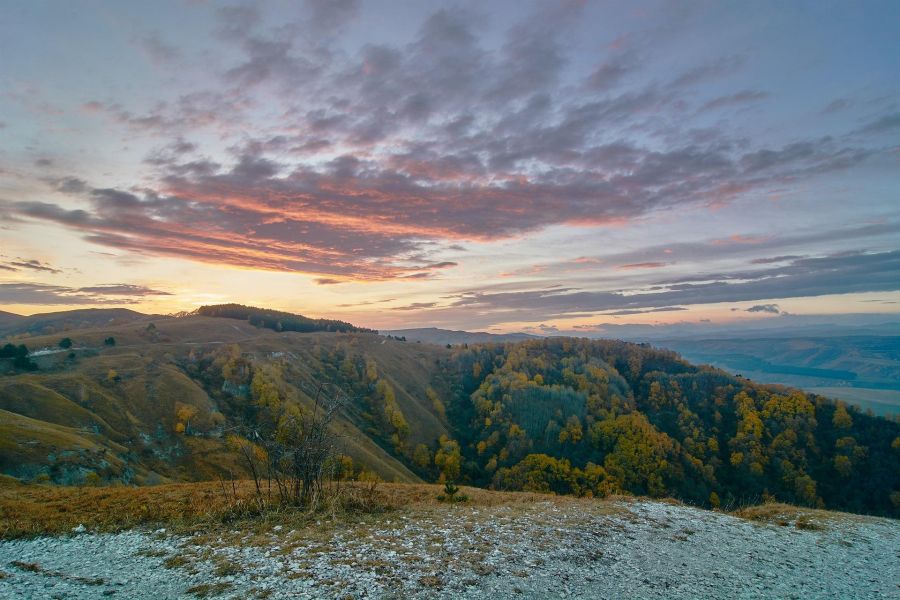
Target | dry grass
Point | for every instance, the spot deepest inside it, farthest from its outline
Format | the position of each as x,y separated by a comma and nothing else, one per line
65,396
206,590
785,515
29,510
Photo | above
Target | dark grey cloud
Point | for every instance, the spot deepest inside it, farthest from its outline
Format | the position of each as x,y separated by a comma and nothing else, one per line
46,294
738,98
121,289
837,105
774,259
765,308
643,265
158,50
195,111
633,311
883,124
838,274
415,306
237,21
29,265
713,69
330,15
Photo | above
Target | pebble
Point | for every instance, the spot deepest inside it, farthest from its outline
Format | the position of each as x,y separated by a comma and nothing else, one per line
647,550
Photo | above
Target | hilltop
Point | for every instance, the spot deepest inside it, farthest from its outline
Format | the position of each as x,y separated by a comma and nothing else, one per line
433,335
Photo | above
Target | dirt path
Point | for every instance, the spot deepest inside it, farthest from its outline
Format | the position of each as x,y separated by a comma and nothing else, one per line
618,549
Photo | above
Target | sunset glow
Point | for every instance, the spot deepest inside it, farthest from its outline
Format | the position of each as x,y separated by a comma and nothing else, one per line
468,166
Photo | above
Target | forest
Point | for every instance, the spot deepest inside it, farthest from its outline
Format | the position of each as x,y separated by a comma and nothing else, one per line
276,320
593,418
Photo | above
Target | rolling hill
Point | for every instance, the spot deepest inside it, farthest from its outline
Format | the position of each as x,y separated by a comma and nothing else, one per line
56,322
80,408
163,400
859,369
433,335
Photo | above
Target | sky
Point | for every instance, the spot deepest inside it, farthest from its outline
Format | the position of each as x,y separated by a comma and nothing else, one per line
504,166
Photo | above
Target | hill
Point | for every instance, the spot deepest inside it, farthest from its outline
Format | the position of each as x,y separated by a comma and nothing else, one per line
7,319
114,410
169,399
277,320
859,369
442,337
56,322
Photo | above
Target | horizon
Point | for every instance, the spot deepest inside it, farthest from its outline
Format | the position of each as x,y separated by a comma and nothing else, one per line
565,168
791,324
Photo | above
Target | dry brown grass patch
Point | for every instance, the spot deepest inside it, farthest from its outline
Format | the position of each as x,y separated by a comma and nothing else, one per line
205,590
31,509
810,519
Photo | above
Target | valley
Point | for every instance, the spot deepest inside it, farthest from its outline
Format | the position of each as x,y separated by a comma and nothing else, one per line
172,399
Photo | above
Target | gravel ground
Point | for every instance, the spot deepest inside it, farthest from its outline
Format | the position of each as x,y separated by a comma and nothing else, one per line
612,549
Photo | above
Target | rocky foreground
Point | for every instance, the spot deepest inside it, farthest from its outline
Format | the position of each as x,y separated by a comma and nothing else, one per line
601,549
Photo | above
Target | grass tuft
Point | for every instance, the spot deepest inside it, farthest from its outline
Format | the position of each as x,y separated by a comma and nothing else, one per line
205,590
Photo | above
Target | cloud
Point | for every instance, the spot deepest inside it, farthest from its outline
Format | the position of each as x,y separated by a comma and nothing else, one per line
46,294
330,15
836,105
643,265
415,306
714,69
237,21
157,50
121,290
738,98
766,308
774,259
843,273
368,159
620,313
28,264
883,124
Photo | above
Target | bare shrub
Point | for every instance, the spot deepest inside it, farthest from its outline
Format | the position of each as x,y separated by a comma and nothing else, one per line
292,451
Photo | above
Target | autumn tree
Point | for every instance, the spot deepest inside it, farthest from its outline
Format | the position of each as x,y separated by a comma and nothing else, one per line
448,459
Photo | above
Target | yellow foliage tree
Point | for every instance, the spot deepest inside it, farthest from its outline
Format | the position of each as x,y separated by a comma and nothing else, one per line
448,459
841,418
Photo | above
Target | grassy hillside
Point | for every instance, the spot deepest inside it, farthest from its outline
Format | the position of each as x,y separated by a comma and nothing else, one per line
12,325
133,392
160,400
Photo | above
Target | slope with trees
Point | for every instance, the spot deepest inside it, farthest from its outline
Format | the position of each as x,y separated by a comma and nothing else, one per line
562,415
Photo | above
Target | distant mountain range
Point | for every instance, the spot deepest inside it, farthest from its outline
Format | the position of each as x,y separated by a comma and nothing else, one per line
433,335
